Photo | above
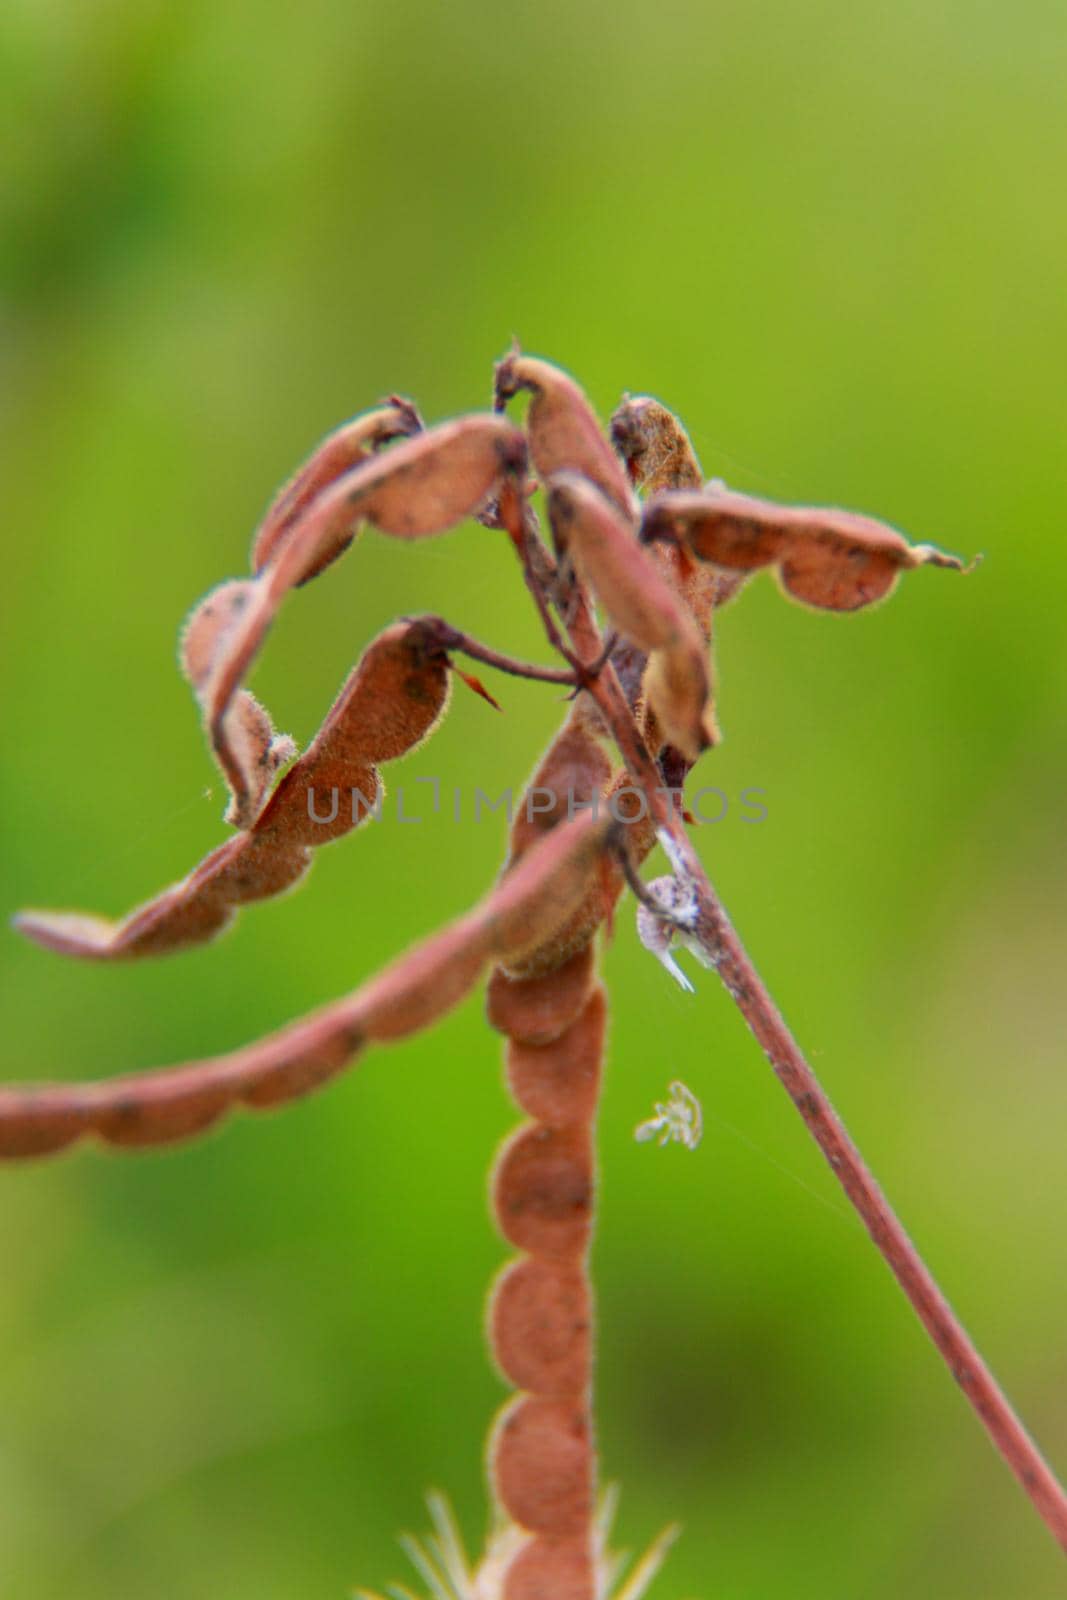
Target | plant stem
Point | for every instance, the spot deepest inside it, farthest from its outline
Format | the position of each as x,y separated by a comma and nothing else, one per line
963,1360
751,996
447,637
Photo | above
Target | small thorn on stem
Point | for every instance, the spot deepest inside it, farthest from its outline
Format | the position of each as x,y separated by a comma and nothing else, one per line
476,685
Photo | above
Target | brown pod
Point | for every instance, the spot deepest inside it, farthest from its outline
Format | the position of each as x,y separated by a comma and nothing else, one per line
620,571
428,484
571,779
531,907
542,1189
654,445
541,1455
249,750
300,1068
438,974
643,605
559,1083
563,428
572,774
207,625
677,688
540,1326
835,560
553,1569
538,1010
422,486
142,1120
659,455
43,1121
347,447
174,1102
387,706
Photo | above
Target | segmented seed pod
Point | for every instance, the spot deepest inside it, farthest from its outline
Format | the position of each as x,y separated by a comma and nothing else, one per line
542,1452
173,1103
659,455
834,560
642,605
346,447
564,433
390,702
552,1010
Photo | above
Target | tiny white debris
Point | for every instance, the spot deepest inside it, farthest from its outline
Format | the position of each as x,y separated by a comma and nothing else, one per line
679,1118
655,933
678,900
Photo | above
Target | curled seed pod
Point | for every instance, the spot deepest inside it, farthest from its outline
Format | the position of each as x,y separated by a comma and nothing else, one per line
172,1103
388,705
542,1463
347,447
254,752
427,484
540,1326
421,486
835,560
643,606
564,432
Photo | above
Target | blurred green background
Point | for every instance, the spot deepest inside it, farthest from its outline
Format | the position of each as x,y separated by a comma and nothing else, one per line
833,237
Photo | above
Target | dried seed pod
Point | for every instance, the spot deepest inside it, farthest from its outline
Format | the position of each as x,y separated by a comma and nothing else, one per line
542,1459
347,447
536,1011
835,560
559,1082
542,1455
540,1326
244,730
571,780
654,445
642,605
543,1190
175,1102
428,484
529,917
659,455
422,486
563,429
552,1569
388,705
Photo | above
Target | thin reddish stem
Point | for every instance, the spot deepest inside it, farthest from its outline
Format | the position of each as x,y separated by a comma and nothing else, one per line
447,637
994,1410
752,998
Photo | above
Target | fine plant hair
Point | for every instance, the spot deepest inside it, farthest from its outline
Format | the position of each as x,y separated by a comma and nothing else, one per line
641,553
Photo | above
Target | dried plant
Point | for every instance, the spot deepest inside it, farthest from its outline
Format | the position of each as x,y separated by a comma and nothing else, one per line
637,534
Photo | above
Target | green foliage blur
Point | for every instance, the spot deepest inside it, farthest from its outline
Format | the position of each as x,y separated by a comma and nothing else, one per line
833,237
